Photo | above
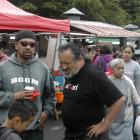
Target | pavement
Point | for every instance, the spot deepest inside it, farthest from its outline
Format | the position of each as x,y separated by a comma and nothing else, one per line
54,130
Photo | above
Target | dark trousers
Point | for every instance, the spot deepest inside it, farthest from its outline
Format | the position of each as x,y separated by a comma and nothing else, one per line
32,135
85,138
82,136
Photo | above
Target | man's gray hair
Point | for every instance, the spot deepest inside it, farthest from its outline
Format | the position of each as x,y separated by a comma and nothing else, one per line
75,49
113,63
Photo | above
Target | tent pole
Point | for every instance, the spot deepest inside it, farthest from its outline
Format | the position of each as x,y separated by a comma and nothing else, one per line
55,50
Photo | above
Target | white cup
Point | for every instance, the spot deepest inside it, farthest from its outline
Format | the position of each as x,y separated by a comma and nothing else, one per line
29,88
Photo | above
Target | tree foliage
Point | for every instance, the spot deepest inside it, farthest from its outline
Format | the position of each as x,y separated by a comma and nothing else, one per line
27,6
104,10
119,12
133,9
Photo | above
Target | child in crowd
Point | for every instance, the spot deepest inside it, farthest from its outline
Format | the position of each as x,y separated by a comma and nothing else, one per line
20,115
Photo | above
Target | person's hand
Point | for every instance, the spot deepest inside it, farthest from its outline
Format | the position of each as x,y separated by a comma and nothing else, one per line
23,95
97,129
43,119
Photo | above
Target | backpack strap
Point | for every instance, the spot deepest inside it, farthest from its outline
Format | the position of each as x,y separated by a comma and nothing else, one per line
6,133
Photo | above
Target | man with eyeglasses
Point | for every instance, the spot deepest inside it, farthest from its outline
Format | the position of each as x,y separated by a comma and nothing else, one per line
23,76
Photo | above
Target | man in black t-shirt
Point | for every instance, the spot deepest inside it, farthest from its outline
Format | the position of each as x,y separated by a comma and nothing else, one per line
86,93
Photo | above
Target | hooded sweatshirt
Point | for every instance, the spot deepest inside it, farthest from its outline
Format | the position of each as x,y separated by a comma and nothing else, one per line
9,133
14,76
102,61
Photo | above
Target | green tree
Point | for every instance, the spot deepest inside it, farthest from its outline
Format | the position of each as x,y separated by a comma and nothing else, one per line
103,10
27,6
119,12
52,9
113,13
91,8
132,7
46,8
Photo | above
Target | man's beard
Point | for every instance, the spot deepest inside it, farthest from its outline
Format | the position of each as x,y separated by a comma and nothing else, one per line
71,74
68,75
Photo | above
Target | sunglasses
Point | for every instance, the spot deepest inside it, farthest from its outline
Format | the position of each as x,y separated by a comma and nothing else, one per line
26,43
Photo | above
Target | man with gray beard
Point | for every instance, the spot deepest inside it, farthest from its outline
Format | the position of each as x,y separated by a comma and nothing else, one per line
86,92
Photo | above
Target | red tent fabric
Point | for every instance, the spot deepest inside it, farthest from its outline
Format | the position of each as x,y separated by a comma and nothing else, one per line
13,18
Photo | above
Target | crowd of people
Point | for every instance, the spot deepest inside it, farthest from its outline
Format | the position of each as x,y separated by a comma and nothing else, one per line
101,92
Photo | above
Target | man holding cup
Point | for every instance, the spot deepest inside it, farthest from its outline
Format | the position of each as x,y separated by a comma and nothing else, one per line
23,70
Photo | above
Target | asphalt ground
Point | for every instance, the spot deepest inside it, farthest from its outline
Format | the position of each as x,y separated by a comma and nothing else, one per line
54,130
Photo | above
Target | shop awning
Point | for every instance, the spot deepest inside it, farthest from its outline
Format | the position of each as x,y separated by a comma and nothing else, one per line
103,29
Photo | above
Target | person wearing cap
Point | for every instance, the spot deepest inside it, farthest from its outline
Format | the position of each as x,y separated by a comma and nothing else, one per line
22,70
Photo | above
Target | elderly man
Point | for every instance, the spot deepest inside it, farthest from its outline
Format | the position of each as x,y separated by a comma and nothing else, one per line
86,92
23,76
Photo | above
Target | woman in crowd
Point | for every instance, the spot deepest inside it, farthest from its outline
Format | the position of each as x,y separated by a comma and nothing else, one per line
122,126
102,60
131,67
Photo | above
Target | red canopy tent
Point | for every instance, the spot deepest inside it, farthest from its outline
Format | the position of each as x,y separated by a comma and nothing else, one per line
13,18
